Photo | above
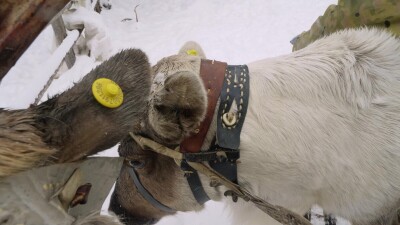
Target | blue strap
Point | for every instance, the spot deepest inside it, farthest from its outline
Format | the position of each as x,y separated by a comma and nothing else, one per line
143,191
236,88
195,183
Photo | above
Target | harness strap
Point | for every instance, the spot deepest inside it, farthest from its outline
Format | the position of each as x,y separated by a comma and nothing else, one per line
218,155
195,183
143,191
279,213
212,73
232,111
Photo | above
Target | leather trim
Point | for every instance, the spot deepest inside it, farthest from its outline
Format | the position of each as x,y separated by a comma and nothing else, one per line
235,90
212,73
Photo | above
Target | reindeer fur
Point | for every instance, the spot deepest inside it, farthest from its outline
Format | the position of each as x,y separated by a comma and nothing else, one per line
322,127
73,125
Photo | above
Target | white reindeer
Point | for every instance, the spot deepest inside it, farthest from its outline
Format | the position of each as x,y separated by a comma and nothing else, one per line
322,127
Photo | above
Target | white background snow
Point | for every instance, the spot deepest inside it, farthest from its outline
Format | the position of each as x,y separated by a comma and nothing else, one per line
235,31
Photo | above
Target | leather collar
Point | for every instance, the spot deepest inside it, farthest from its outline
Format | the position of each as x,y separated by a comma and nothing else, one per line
212,73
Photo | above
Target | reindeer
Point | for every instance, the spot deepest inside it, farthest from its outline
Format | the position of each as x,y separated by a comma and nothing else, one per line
322,127
72,126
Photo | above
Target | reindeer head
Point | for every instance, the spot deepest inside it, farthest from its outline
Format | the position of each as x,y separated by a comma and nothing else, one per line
177,105
160,176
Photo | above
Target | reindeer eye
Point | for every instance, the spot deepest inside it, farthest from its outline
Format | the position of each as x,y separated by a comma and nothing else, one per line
137,164
161,108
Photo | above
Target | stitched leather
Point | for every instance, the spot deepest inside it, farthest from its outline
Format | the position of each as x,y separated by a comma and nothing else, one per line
237,89
212,74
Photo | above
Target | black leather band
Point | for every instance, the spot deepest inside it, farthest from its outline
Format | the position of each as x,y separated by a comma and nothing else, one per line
195,183
143,191
212,155
227,167
236,88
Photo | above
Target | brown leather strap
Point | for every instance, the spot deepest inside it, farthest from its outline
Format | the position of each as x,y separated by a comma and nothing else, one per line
212,72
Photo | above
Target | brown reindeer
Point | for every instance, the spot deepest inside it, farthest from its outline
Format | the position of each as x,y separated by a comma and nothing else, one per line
73,125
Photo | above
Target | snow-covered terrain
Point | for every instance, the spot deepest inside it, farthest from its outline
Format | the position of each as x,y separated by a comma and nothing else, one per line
234,31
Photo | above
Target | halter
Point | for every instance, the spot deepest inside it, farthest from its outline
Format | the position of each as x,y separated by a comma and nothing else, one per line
230,86
146,194
279,213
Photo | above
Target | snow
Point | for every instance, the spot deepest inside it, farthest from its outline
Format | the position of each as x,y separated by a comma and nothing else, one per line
95,32
234,31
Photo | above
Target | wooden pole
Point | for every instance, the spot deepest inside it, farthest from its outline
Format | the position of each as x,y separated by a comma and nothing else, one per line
21,21
61,33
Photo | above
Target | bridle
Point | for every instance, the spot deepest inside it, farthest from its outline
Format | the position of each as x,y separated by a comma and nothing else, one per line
146,194
229,85
224,84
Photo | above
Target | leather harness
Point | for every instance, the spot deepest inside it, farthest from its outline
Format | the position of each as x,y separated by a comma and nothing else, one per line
230,86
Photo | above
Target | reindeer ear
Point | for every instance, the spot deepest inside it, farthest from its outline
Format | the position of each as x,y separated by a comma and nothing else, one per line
192,48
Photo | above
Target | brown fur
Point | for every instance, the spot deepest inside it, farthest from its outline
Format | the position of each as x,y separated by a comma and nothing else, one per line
21,145
157,169
74,123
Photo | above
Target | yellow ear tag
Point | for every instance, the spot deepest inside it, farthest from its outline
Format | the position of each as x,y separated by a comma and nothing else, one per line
107,93
191,52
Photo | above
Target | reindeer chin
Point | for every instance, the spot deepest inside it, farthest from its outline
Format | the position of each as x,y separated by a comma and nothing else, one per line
127,218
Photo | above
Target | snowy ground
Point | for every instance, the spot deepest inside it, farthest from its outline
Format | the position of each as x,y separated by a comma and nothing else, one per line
234,31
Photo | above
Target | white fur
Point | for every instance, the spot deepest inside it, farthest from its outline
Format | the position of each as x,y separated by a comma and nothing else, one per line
323,127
